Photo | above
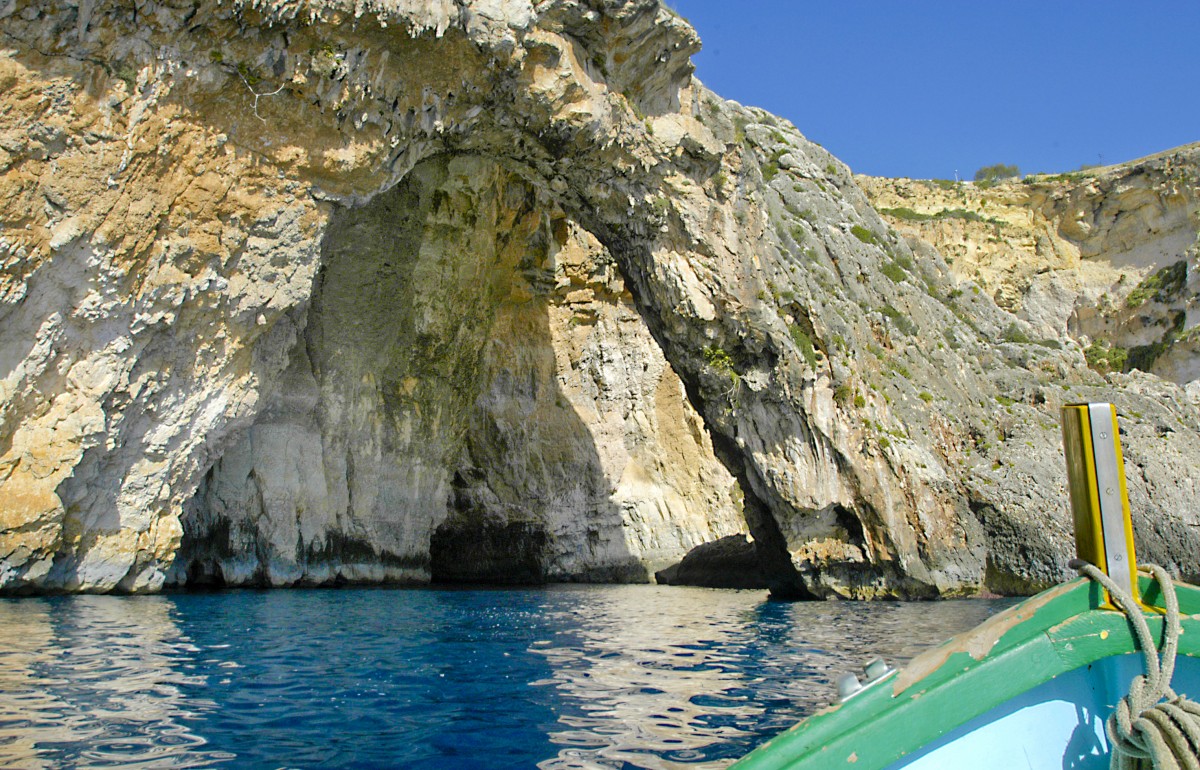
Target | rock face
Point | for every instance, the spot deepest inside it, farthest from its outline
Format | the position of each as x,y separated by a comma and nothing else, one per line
303,292
474,398
731,562
1106,256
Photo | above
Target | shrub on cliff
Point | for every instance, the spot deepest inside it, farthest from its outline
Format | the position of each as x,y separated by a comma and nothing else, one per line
1161,285
1104,358
990,175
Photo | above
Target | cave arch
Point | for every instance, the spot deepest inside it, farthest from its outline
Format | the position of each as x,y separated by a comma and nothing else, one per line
473,398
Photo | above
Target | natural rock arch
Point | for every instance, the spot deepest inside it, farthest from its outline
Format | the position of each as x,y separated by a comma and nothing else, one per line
434,422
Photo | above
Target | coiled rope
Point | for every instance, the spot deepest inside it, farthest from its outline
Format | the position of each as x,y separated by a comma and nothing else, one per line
1153,726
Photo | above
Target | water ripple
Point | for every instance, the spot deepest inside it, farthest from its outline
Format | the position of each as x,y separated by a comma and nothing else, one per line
563,678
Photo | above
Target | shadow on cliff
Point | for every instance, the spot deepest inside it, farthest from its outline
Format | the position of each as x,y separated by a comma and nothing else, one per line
420,432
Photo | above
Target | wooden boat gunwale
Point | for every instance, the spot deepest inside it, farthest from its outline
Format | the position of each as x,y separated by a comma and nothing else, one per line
1053,633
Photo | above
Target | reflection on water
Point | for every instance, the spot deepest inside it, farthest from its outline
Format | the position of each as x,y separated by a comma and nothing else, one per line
567,677
97,685
661,678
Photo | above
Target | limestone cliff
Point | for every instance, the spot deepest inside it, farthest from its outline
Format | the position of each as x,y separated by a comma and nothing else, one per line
474,398
1105,256
300,292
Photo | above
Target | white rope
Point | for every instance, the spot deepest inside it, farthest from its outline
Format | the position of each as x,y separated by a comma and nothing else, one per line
1153,726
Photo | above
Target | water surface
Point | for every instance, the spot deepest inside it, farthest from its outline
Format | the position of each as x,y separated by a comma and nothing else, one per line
554,678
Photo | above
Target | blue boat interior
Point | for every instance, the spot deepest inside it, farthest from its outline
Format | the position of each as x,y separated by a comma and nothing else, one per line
1027,732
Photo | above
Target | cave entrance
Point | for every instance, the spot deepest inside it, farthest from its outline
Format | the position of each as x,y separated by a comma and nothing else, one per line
420,430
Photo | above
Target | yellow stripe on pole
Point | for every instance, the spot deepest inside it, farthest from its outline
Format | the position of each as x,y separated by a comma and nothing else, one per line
1099,499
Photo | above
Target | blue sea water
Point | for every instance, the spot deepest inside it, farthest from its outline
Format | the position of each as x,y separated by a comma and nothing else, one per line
553,678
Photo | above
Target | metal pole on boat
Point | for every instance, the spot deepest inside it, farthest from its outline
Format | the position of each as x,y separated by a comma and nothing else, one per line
1099,499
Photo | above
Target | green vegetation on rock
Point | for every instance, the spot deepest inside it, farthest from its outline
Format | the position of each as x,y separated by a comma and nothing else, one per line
894,271
1160,286
1143,356
863,234
1105,358
970,216
906,214
805,345
989,175
718,359
901,321
1014,333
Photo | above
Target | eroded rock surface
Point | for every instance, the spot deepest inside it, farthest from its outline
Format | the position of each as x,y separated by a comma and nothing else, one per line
1106,256
474,399
308,292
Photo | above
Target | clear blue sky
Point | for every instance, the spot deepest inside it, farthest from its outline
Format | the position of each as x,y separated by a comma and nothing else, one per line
925,88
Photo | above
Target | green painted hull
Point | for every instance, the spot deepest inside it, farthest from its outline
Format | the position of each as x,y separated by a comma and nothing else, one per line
1004,687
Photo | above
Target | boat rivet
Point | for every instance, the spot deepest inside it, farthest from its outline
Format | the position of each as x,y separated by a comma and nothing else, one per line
1104,436
1118,557
1108,490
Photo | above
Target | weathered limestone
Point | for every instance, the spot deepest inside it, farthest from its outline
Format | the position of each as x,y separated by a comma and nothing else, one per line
1106,256
307,292
472,375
